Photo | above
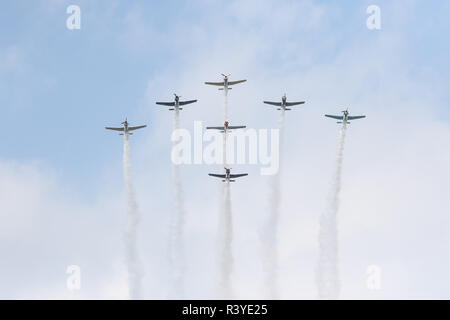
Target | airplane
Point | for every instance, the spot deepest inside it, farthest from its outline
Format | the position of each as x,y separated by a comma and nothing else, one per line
284,104
228,177
176,104
345,118
126,129
225,83
226,127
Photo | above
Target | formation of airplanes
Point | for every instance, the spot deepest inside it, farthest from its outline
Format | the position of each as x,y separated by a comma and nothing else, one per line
225,85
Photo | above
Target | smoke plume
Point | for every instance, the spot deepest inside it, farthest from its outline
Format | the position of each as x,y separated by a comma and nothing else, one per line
328,273
270,237
177,229
133,264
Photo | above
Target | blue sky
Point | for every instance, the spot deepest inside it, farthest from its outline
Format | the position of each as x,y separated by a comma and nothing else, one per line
65,85
60,87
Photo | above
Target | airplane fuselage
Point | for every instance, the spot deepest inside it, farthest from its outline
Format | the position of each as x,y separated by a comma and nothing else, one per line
225,129
283,102
227,175
345,120
225,83
177,102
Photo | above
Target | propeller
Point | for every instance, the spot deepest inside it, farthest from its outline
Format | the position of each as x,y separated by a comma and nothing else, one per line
126,120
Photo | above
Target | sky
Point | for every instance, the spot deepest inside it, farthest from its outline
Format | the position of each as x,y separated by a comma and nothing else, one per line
61,183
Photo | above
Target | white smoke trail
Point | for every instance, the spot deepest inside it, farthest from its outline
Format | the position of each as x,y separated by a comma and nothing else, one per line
225,109
226,226
177,228
133,264
328,272
270,254
226,231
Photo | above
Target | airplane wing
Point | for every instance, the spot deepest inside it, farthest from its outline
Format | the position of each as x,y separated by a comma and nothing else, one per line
182,103
232,176
222,176
216,128
216,83
115,129
335,117
230,83
355,117
289,104
236,127
169,104
278,104
135,128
